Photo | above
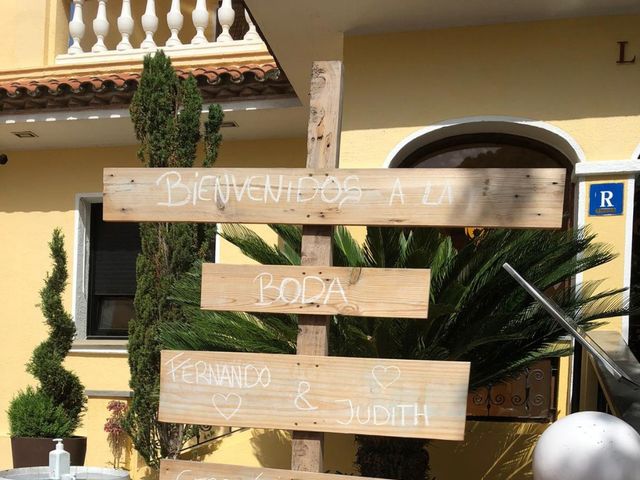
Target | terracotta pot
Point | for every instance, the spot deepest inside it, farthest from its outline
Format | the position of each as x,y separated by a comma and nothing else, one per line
34,452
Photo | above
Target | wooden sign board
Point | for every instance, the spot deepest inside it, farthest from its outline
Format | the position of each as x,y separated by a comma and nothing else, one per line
512,198
365,292
403,398
185,470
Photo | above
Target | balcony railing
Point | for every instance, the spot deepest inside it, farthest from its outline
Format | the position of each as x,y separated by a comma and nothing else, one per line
160,25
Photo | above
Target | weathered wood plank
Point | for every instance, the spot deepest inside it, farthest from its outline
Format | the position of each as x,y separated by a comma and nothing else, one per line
514,198
325,115
323,152
185,470
364,292
404,398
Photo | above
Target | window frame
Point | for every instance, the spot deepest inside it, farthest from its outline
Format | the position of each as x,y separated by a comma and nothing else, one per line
95,300
81,255
82,304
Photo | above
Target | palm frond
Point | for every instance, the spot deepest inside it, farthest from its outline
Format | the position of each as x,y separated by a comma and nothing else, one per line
477,312
291,236
346,251
253,246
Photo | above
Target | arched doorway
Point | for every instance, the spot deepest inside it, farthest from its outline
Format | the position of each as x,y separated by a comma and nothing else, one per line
542,132
476,145
492,150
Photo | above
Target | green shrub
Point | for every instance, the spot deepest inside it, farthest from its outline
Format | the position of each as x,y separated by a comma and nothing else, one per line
61,385
59,401
32,413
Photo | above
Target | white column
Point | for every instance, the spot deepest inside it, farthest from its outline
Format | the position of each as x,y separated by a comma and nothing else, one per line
226,16
252,33
149,25
125,26
200,18
174,21
101,27
76,28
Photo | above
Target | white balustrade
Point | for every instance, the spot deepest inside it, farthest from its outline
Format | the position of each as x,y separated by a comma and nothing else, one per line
100,27
201,17
125,26
174,21
226,16
252,33
76,28
149,25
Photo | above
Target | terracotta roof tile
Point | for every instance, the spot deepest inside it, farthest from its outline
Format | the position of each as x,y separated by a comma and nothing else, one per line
71,92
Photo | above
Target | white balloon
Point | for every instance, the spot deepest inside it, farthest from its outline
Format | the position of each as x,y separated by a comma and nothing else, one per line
588,446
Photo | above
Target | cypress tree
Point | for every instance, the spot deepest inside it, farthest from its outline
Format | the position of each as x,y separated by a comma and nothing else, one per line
166,115
56,407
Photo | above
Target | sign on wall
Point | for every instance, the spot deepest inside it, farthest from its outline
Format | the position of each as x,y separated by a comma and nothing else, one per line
606,199
364,292
482,197
371,396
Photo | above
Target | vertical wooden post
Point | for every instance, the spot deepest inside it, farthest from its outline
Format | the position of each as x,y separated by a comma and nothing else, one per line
323,147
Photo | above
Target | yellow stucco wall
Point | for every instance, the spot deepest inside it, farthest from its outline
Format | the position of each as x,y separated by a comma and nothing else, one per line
24,36
37,194
562,73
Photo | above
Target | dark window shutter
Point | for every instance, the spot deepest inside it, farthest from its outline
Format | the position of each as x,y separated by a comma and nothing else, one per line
114,249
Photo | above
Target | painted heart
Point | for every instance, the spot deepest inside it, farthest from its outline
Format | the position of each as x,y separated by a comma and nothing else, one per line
385,376
230,402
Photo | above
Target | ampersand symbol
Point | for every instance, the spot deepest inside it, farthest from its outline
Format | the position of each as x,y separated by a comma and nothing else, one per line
303,388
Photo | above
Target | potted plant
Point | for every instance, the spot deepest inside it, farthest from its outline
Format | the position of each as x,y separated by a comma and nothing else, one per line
54,409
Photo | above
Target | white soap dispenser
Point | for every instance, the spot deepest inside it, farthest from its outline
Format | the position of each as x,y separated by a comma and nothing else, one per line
59,461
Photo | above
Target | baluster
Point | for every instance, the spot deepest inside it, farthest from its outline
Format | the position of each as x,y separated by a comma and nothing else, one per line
252,33
226,16
200,18
125,26
214,21
76,28
174,21
149,25
101,27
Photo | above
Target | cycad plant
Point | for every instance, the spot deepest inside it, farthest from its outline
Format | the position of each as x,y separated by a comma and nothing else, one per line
477,312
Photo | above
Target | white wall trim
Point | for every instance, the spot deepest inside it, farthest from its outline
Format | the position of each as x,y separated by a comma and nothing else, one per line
98,351
79,281
15,118
636,153
109,393
581,218
628,249
542,131
216,246
607,167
